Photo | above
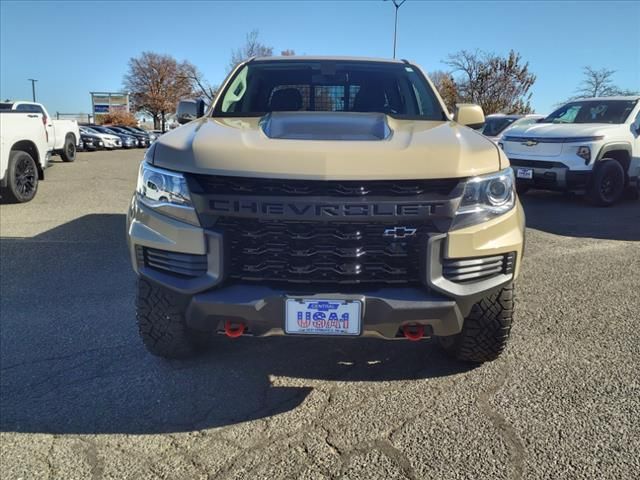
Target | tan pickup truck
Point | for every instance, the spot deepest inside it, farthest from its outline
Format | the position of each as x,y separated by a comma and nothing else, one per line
330,197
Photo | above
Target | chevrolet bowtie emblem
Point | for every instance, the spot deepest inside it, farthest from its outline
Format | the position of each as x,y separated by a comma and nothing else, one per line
399,232
530,143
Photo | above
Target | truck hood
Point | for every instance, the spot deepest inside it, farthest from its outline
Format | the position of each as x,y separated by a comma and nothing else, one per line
247,147
561,131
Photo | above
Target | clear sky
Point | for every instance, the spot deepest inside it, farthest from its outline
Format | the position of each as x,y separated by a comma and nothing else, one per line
76,47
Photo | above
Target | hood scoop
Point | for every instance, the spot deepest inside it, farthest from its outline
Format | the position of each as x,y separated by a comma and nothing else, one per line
326,126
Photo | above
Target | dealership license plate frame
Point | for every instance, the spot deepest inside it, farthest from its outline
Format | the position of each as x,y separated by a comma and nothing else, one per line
294,305
524,173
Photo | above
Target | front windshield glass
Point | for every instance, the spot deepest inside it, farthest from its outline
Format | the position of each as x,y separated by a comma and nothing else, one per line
493,126
592,111
396,89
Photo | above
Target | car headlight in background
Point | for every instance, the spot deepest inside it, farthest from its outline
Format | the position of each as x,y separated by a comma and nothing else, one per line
486,197
165,192
584,152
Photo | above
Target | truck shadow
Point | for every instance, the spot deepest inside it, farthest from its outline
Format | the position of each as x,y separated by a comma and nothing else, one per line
71,360
572,216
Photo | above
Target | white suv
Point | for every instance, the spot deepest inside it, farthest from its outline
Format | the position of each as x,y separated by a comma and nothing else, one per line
589,145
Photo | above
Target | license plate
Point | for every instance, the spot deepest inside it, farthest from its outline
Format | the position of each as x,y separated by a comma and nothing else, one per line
323,317
526,173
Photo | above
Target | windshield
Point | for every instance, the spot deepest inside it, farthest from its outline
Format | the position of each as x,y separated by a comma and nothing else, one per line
329,86
493,126
6,106
592,111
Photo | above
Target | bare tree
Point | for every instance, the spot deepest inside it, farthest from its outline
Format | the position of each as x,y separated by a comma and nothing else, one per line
200,85
156,83
251,48
497,84
446,86
599,83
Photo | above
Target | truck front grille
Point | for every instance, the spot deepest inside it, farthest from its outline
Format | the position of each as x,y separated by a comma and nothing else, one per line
480,268
516,162
307,252
224,185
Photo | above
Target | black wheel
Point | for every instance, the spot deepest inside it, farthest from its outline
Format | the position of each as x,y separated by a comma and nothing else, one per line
68,153
22,177
485,331
522,188
632,192
607,183
161,323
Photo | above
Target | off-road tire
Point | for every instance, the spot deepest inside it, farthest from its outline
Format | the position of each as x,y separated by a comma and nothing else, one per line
485,331
161,323
607,183
68,152
632,192
22,178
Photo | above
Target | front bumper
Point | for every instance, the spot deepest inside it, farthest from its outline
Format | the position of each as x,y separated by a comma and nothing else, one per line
440,305
551,175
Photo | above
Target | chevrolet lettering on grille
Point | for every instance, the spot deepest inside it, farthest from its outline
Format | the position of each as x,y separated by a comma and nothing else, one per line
250,208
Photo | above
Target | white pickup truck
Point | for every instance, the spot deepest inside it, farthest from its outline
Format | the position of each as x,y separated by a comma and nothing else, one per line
590,145
24,154
63,136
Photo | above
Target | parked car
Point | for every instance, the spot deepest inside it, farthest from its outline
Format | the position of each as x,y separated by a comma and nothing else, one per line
373,217
590,145
91,142
496,125
24,154
62,135
136,130
128,141
142,140
110,141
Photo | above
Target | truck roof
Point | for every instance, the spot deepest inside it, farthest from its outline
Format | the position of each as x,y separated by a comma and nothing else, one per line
614,97
325,58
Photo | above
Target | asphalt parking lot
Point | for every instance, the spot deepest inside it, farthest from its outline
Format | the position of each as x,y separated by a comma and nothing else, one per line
81,398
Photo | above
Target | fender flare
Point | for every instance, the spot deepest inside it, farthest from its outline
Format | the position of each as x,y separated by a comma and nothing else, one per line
609,147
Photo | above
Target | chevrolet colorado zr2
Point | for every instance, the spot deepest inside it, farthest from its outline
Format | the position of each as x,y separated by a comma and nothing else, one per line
326,196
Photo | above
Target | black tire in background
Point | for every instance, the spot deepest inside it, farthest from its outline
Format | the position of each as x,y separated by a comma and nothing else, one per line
68,153
485,331
607,183
161,323
522,188
22,177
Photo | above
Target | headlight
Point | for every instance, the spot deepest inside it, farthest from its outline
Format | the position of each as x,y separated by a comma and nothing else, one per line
166,192
486,197
584,152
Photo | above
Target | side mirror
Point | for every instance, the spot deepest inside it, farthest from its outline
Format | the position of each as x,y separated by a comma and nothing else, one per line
469,114
189,110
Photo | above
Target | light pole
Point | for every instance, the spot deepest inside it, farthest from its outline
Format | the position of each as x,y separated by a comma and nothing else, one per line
397,4
33,87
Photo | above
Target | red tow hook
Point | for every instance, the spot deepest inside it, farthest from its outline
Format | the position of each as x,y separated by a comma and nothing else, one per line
234,331
413,332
